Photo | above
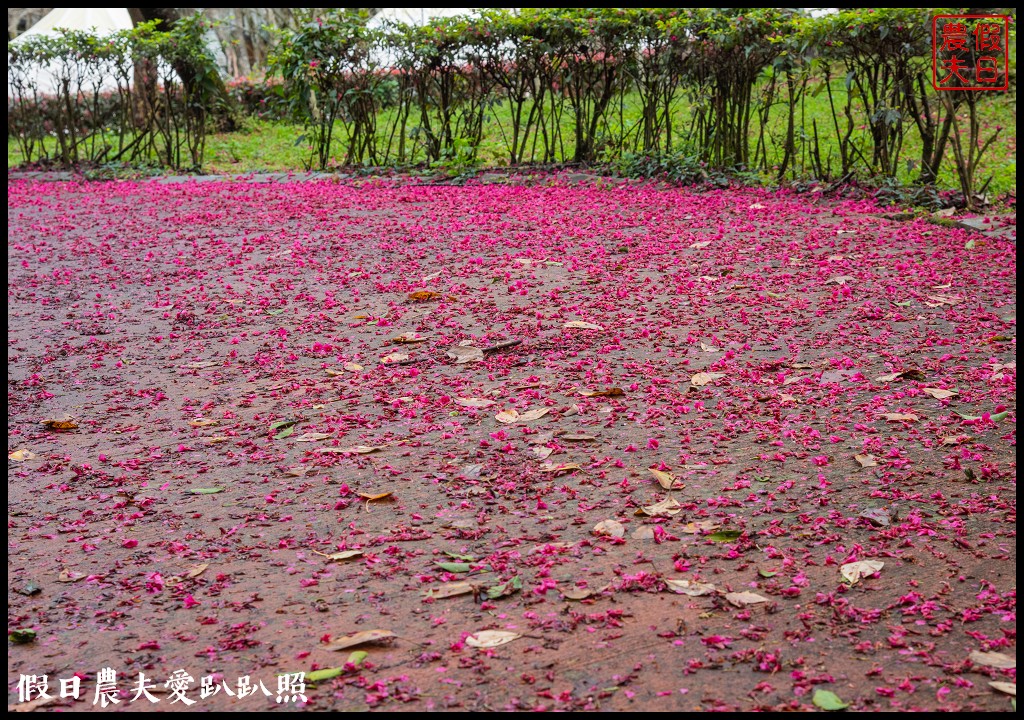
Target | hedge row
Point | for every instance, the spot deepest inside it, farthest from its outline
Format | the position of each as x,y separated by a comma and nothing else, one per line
138,96
569,84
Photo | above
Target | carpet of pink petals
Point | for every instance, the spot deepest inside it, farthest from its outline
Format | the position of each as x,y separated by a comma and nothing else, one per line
817,386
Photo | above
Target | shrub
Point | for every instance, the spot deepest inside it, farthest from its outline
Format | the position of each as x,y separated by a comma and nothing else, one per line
164,86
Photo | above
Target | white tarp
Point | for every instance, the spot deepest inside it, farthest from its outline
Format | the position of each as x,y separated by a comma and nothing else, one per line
102,21
415,16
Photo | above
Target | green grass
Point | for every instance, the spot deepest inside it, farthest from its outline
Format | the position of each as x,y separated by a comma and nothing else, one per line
276,146
259,146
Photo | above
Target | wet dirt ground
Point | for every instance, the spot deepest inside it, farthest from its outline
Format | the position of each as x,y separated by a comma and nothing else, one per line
263,443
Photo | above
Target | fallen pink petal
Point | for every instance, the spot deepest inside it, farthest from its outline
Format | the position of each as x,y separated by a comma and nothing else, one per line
418,519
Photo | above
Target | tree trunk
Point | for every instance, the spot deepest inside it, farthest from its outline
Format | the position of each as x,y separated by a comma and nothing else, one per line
223,112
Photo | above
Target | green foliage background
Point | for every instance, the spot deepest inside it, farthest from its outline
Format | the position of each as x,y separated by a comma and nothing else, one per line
769,93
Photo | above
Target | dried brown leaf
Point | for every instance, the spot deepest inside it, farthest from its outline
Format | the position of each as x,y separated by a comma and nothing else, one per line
465,354
340,555
939,393
201,422
866,460
21,455
370,497
911,374
699,526
408,338
531,415
900,417
666,508
742,599
993,659
666,480
703,378
32,705
540,452
359,638
612,528
559,468
608,392
197,571
354,450
60,425
473,402
424,296
449,590
688,587
313,437
581,325
491,638
514,416
853,572
939,300
578,593
644,532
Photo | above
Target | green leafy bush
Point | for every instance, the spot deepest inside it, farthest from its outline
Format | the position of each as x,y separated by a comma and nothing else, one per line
138,96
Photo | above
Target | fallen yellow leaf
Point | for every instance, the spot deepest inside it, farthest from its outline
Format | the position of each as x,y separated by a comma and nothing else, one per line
370,497
424,295
60,425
